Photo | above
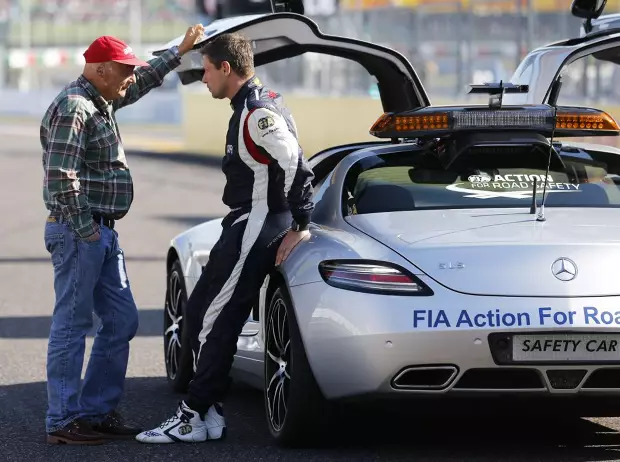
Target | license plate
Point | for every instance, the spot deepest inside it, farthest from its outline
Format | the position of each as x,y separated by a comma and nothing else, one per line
566,347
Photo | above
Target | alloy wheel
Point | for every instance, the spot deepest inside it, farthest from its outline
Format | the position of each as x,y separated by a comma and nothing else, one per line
172,326
278,375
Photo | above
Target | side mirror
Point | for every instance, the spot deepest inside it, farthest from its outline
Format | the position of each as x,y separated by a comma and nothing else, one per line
588,9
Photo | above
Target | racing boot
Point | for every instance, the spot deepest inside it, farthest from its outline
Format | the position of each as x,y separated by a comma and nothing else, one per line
186,426
215,422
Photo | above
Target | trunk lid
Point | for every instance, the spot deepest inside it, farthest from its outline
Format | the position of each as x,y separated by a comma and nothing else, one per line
506,252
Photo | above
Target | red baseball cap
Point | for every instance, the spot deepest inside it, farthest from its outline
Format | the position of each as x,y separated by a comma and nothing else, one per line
109,48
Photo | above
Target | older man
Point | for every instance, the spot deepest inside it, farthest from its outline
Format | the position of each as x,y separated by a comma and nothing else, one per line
87,186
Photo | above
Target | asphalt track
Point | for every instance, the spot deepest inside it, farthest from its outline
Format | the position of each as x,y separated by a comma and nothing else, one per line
172,195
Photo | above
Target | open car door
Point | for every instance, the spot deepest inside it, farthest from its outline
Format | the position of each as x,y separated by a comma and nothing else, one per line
600,37
541,67
278,36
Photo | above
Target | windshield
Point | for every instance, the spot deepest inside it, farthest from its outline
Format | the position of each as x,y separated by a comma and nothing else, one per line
481,179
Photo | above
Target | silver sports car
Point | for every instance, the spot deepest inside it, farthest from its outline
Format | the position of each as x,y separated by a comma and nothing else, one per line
469,249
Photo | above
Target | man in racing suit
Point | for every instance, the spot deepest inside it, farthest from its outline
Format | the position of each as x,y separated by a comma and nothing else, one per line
268,189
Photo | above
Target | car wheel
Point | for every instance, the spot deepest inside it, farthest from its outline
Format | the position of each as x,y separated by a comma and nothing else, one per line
295,407
177,352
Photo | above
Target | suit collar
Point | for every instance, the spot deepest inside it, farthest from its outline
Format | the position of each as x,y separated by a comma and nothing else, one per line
239,99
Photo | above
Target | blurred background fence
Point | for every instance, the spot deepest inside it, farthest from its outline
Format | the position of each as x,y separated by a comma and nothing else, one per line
450,43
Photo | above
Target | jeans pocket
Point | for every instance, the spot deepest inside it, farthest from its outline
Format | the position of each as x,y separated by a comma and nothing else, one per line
55,245
88,243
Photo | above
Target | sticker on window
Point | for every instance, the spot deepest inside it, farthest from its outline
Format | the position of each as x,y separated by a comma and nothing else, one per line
516,186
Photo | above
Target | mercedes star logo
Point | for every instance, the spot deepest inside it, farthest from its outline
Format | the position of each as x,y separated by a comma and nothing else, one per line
564,269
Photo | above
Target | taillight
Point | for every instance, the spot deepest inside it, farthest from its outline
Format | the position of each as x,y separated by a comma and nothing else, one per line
372,277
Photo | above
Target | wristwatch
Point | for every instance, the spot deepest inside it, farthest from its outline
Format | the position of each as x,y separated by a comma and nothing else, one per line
297,227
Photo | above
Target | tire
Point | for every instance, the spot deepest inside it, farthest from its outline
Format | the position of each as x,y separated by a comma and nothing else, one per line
178,356
306,414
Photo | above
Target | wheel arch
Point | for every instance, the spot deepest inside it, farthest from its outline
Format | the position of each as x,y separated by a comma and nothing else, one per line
276,279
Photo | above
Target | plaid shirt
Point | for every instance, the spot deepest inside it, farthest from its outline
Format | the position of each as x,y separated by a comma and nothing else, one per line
85,169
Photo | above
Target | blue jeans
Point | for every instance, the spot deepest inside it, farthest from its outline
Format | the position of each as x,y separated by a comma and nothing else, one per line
88,277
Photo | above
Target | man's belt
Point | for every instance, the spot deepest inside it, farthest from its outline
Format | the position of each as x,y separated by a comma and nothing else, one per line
100,219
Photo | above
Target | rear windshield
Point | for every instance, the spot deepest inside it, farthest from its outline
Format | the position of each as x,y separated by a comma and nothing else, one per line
419,181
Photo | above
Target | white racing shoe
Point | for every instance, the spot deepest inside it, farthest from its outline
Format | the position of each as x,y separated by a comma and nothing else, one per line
186,426
215,422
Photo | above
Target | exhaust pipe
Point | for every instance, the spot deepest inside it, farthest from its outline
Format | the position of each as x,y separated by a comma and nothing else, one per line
425,377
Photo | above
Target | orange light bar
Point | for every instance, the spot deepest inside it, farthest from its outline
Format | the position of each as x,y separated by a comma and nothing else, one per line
428,121
382,123
585,119
440,121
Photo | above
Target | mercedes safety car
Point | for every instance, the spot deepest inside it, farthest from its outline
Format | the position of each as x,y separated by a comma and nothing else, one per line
469,249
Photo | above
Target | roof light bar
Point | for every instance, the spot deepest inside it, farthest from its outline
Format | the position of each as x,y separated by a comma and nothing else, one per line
597,120
438,121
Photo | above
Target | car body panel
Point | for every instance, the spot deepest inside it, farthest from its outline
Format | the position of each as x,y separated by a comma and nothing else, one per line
284,35
192,247
502,252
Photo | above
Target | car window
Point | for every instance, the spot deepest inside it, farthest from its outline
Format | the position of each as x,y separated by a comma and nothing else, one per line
418,181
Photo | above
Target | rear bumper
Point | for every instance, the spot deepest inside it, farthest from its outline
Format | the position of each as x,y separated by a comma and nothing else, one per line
364,344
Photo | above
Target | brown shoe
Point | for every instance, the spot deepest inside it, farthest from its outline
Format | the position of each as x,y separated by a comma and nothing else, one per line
113,427
76,432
